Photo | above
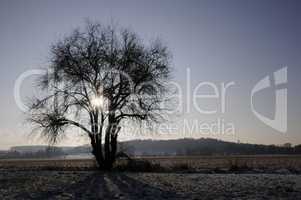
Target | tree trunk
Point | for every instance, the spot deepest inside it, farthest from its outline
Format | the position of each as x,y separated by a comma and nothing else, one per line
97,150
113,147
106,159
108,156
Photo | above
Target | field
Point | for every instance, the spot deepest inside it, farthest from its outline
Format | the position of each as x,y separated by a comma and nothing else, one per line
266,177
194,163
97,185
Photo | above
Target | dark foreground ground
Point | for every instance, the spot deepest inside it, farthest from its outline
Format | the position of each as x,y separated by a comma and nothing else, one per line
98,185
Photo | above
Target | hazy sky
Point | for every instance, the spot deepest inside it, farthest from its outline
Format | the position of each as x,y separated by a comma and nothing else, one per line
219,41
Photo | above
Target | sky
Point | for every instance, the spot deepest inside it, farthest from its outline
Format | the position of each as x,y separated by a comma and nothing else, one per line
213,43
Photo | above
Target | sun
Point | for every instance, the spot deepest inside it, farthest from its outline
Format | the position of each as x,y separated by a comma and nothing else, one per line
97,102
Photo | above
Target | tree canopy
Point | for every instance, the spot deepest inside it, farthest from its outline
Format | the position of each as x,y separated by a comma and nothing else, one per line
99,77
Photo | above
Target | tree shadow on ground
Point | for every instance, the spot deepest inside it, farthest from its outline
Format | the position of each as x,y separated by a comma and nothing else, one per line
99,185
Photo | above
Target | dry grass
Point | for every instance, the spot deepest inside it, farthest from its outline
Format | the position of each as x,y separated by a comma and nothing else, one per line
78,179
48,164
177,163
199,163
135,186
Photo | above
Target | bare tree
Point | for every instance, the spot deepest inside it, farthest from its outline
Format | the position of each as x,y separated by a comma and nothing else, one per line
99,77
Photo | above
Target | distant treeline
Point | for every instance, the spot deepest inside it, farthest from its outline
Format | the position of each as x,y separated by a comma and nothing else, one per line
186,147
47,152
204,146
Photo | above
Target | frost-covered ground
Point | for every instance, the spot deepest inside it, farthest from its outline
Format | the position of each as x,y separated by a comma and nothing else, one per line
97,185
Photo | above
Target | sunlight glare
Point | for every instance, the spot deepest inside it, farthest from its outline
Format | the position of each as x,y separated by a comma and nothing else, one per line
97,102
